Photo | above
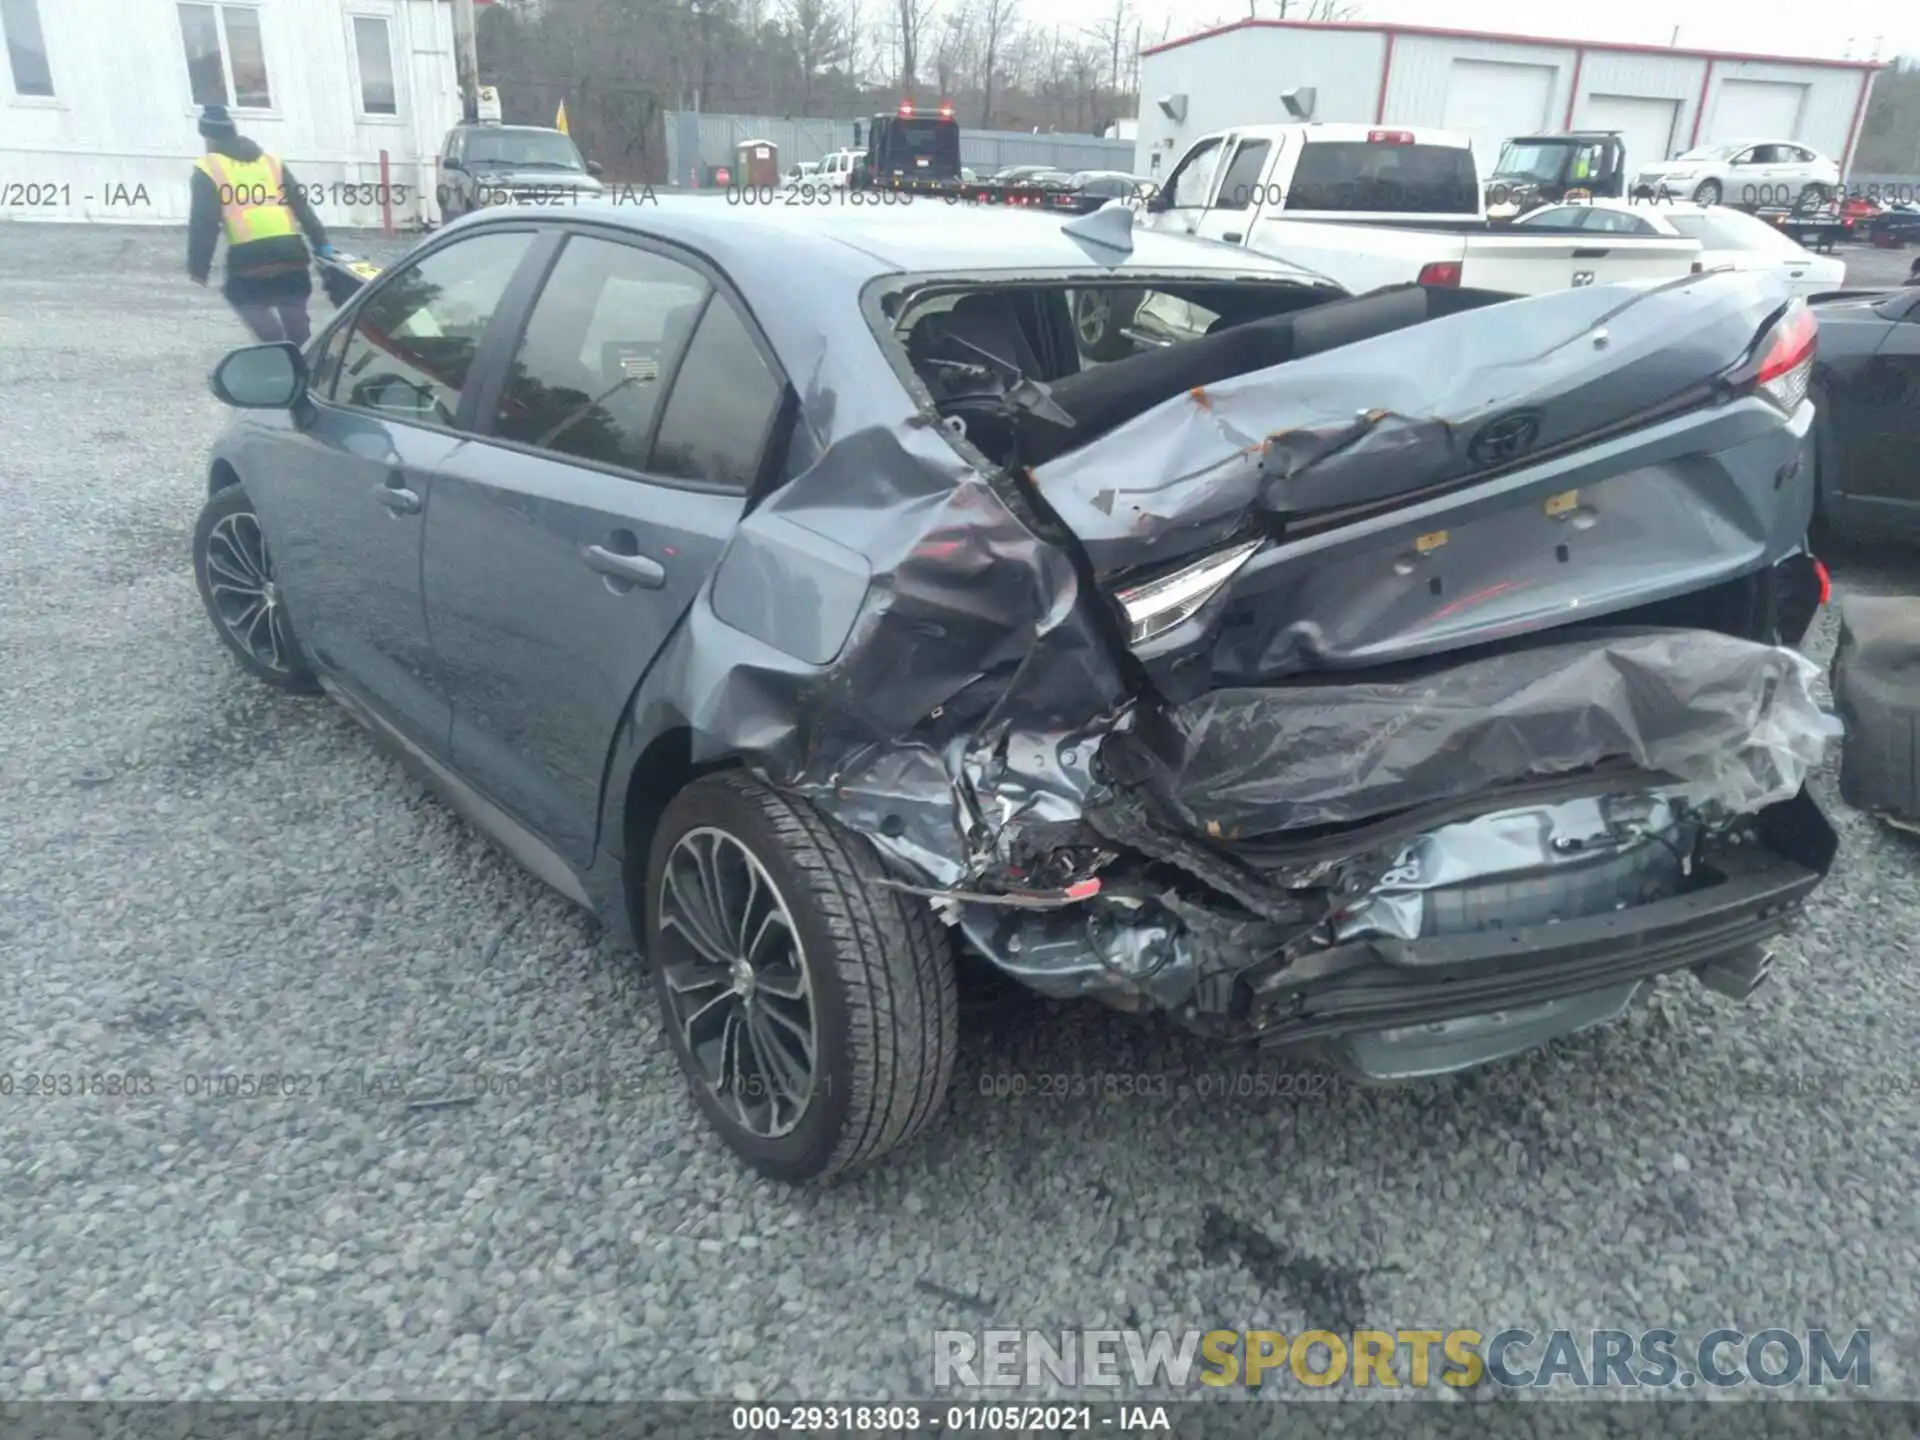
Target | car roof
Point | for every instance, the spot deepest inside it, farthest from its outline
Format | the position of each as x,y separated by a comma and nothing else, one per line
916,236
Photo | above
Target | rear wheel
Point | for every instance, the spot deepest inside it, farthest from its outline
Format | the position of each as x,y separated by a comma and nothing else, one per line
1098,318
234,571
813,1009
1707,192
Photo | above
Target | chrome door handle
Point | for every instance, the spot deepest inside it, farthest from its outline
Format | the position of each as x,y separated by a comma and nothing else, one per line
633,569
400,500
1233,237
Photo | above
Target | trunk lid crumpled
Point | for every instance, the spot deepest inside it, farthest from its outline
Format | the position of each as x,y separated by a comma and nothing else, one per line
1399,413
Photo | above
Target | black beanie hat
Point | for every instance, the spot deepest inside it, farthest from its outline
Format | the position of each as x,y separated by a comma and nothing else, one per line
215,122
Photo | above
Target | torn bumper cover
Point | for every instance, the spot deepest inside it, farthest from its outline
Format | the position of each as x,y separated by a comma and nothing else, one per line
1521,838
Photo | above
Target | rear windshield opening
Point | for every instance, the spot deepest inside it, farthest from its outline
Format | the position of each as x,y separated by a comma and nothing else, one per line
1364,176
1106,355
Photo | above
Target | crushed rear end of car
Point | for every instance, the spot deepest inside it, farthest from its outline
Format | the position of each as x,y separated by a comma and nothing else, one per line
1405,677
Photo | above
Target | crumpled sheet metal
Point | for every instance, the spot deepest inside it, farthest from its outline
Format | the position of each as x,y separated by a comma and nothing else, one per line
1735,721
948,622
1571,859
1396,413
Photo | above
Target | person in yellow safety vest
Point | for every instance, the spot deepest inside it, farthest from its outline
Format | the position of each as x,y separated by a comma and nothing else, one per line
249,195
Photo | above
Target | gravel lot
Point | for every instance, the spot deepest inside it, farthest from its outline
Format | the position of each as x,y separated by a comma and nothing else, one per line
198,875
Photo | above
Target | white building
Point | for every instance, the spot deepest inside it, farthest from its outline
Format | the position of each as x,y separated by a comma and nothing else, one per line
1492,87
100,99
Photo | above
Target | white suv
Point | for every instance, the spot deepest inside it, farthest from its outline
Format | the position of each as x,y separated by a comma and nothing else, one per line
837,169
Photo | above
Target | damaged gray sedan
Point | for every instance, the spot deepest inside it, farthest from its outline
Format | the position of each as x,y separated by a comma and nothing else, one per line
1405,676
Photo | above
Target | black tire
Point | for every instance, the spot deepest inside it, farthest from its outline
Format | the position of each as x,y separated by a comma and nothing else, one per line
878,978
1707,192
223,574
1098,316
1875,693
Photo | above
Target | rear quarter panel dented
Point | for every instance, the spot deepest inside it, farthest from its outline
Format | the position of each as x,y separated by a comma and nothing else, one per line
965,628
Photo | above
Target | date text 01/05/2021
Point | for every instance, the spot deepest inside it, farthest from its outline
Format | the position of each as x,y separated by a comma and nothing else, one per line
1103,1419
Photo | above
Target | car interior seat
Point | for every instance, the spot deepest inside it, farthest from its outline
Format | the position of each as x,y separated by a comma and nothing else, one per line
1104,398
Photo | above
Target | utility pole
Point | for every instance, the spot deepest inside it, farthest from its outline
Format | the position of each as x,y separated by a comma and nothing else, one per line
466,59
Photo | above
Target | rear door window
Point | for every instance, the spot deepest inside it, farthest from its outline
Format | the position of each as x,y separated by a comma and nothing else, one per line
1241,185
724,401
1380,177
598,351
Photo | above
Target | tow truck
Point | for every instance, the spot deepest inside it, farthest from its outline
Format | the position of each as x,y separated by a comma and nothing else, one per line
912,152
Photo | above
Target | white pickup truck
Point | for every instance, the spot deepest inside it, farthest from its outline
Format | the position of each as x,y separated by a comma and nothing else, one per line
1368,206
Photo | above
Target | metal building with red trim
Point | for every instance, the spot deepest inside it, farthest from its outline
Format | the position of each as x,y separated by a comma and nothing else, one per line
1490,86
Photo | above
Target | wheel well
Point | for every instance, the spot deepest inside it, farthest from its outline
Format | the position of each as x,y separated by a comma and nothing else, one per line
222,477
664,769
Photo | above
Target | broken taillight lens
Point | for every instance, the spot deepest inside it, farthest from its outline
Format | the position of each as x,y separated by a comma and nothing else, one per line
1159,605
1444,273
1786,357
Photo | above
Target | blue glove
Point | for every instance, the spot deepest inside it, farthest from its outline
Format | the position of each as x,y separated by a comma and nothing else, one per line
325,252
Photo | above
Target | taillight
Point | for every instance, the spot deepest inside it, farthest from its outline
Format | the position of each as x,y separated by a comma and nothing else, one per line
1389,137
1786,359
1826,581
1443,273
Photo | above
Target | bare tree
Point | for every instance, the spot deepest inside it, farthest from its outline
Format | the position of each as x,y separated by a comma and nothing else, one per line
951,48
995,17
913,18
819,33
1312,9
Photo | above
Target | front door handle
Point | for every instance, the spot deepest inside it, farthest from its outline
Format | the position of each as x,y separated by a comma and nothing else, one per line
632,569
399,499
1233,237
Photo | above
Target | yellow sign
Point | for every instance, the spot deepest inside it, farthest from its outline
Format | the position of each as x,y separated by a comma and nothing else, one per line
1430,542
1563,502
560,120
1573,195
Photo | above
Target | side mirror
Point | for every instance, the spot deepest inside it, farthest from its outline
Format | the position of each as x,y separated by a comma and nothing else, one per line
261,377
594,167
451,163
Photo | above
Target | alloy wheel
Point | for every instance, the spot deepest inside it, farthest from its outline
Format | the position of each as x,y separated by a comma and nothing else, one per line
245,597
737,981
1092,313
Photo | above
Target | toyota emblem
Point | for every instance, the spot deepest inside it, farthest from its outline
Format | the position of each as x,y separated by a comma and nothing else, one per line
1506,438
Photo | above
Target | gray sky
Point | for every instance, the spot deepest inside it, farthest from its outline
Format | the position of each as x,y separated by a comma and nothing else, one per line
1831,28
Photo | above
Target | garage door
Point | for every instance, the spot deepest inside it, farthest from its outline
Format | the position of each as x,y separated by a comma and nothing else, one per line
1756,110
1490,101
1645,125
